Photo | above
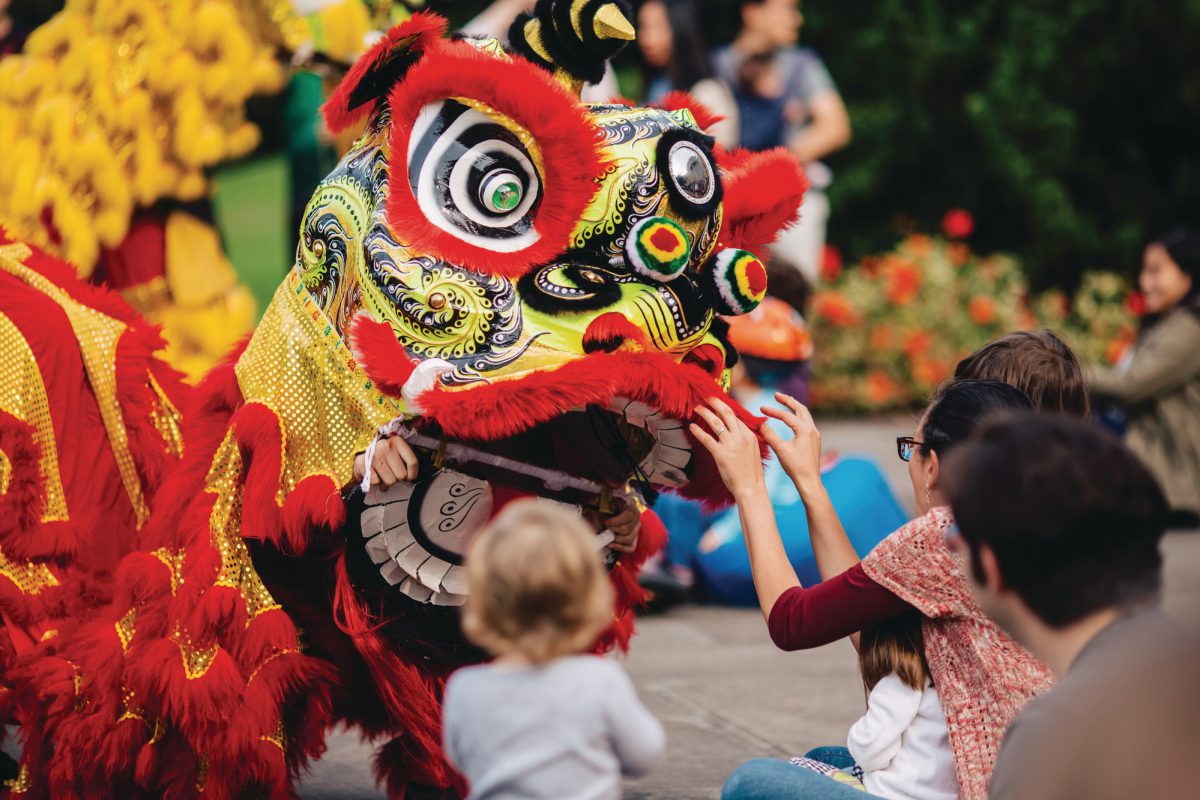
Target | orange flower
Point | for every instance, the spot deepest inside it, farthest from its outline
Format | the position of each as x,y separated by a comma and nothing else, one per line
982,310
929,372
831,264
880,389
1114,351
834,307
958,253
882,337
904,280
918,244
917,344
1027,321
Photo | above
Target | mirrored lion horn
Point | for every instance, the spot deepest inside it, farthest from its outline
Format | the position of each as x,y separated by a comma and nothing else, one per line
573,40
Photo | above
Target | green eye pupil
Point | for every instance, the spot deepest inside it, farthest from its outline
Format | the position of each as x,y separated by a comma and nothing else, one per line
506,196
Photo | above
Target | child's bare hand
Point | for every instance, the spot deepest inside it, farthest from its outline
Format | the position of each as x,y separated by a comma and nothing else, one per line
394,461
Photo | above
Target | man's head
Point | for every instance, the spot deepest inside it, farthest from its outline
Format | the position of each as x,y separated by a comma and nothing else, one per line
1039,364
774,22
1061,521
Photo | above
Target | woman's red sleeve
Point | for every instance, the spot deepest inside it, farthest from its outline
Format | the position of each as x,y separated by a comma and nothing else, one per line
810,617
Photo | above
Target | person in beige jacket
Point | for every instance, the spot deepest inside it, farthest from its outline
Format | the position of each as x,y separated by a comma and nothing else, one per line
1157,384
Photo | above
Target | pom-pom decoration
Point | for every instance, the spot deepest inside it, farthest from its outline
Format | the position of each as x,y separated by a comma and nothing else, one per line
739,281
657,248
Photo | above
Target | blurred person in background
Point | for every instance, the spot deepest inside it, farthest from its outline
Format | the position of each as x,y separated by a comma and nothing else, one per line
676,58
1061,526
1157,384
786,98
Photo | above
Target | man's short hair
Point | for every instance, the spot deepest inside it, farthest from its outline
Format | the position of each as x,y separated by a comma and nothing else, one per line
1039,364
1072,516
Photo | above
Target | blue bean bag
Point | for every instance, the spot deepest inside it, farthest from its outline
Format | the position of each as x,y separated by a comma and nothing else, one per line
713,546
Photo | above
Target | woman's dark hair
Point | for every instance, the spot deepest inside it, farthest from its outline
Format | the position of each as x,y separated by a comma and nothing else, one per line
1039,364
1183,246
960,406
689,55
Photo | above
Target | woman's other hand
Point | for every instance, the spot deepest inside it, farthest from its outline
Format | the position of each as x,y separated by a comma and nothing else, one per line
799,454
394,461
734,447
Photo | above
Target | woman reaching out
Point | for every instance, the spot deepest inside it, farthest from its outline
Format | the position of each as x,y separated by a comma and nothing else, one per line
981,675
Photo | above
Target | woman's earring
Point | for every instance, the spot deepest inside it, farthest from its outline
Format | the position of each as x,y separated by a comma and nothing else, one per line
928,496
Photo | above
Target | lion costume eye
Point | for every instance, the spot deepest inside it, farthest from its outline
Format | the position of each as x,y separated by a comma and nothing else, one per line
692,172
473,178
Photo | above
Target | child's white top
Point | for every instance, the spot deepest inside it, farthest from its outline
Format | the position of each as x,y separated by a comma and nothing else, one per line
901,744
564,731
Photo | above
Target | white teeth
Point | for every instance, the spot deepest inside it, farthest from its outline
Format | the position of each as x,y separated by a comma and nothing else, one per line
412,559
391,572
674,437
377,550
443,599
398,540
430,573
415,590
637,414
673,457
372,520
455,581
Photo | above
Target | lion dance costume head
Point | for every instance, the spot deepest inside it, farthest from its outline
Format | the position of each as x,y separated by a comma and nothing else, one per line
530,290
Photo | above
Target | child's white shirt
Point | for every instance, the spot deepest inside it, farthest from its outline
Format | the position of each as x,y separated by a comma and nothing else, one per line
902,745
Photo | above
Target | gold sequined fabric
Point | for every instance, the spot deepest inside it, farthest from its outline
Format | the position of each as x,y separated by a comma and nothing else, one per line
297,366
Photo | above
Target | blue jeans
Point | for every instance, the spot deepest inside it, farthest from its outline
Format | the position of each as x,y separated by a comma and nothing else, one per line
838,757
774,779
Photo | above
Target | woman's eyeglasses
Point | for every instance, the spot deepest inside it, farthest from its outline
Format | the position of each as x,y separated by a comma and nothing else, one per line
905,446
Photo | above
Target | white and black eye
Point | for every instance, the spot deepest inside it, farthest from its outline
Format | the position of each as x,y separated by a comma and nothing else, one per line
473,177
688,170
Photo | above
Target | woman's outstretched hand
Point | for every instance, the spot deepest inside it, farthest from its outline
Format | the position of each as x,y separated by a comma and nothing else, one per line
733,445
800,454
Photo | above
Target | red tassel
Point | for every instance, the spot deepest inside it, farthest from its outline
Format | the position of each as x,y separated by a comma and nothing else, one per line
315,505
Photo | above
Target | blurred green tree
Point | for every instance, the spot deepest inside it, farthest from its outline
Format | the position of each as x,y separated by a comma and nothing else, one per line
1069,128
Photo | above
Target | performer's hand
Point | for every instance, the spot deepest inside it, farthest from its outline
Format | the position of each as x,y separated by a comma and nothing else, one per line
800,455
625,525
394,461
733,446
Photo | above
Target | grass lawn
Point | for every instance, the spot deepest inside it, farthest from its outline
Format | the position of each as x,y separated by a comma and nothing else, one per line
252,214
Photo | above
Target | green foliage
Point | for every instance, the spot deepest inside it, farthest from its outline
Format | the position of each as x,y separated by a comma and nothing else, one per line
1069,128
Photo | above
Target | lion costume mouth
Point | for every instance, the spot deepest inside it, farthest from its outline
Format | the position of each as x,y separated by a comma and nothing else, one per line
624,438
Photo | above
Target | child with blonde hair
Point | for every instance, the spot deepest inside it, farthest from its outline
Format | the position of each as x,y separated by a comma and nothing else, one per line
545,719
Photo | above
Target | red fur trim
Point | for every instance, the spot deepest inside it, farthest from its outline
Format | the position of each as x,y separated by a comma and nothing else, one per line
679,100
416,35
763,192
314,506
613,331
570,150
624,576
618,100
410,693
21,505
135,361
379,353
260,439
506,408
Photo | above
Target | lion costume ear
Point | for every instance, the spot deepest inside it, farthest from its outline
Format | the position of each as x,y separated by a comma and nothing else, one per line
763,192
373,75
